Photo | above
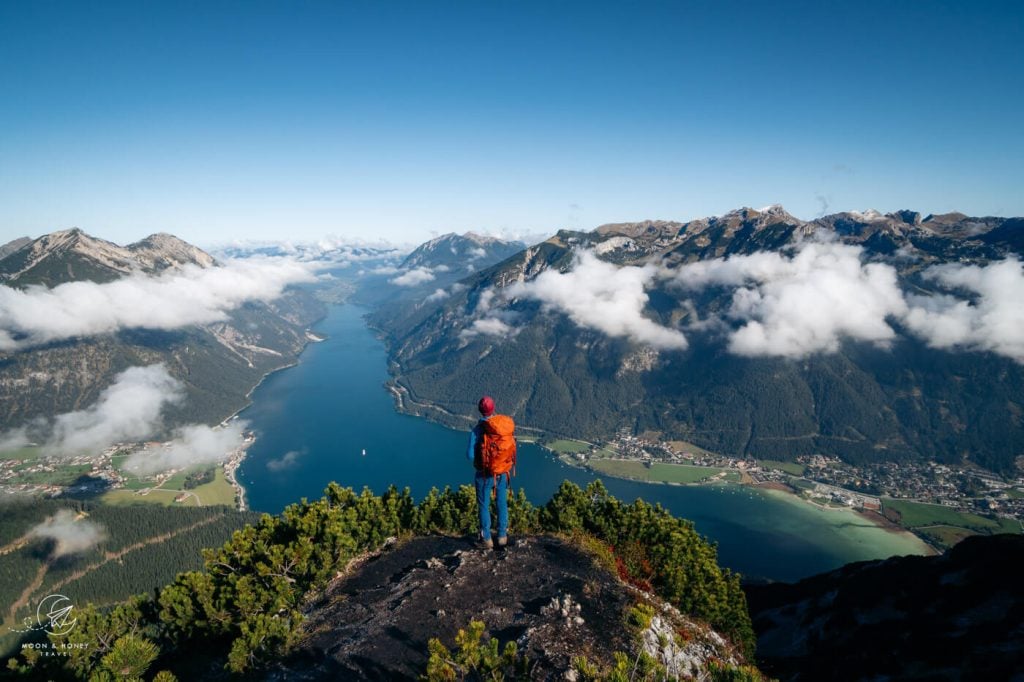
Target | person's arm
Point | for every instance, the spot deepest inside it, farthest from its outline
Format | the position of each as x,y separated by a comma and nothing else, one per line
471,450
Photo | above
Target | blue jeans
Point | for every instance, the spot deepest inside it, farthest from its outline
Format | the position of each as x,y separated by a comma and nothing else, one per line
484,483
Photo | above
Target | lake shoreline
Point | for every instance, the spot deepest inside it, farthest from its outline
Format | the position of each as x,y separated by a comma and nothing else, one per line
791,493
232,464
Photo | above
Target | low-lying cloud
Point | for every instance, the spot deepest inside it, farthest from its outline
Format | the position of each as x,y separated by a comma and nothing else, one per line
130,410
192,445
414,277
793,306
69,533
783,304
601,296
185,297
287,461
992,320
487,326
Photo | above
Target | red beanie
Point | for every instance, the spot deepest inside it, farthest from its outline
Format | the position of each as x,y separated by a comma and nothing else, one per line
486,406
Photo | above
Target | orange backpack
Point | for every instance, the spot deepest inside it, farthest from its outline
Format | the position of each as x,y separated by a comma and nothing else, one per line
498,446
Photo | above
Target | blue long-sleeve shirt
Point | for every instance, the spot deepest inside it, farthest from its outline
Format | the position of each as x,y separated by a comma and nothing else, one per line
474,437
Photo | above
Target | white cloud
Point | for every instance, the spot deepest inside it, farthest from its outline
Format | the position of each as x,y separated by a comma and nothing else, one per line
383,270
438,295
189,296
483,303
131,410
602,296
413,277
477,253
192,444
804,304
70,534
287,461
993,321
127,410
488,326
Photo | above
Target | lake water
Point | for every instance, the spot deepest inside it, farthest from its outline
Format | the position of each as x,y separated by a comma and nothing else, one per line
313,422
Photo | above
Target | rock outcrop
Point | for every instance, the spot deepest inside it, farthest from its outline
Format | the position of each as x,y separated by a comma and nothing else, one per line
545,594
958,616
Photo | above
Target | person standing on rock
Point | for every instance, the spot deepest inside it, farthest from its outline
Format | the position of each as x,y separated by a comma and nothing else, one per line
492,449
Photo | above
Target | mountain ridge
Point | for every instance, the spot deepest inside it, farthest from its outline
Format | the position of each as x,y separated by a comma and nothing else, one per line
218,363
858,402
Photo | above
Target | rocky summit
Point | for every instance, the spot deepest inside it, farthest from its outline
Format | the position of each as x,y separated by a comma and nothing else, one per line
547,595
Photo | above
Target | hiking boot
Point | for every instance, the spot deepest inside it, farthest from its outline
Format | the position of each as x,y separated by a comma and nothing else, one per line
502,541
486,543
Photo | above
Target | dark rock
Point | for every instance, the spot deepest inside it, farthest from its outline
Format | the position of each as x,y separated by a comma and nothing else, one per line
375,622
958,616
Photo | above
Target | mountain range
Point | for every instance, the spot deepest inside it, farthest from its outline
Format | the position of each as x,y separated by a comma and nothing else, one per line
867,336
217,362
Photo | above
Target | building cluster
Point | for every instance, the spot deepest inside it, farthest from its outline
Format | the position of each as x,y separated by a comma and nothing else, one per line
830,480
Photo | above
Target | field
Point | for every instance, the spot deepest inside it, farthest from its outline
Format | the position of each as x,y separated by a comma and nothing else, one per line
682,446
21,453
791,468
916,515
944,526
567,446
662,473
217,491
945,536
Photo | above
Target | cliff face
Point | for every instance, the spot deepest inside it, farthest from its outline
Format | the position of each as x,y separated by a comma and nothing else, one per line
959,616
546,595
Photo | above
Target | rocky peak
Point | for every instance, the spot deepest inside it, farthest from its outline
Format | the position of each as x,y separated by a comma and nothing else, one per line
70,255
456,251
160,251
545,594
14,245
909,217
644,229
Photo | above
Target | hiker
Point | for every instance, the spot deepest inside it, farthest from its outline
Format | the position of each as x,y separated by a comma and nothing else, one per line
492,449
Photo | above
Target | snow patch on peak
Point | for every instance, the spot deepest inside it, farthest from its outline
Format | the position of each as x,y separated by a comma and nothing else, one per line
869,216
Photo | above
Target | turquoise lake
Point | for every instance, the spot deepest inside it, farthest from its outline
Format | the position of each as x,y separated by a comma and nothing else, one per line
314,420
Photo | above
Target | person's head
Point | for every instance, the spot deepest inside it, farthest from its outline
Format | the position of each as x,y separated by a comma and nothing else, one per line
486,406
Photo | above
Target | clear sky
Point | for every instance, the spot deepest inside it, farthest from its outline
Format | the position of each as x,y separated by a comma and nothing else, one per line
294,120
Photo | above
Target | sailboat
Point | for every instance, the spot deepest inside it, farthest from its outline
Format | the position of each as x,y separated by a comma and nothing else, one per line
364,452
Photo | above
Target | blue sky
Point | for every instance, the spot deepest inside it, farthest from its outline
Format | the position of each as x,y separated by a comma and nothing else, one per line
232,120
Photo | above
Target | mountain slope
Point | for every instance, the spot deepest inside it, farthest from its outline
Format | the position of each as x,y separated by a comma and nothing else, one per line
859,400
959,616
219,363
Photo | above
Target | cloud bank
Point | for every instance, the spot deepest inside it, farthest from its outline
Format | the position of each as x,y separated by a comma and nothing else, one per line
599,295
784,304
70,534
192,445
803,304
992,320
185,297
130,410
